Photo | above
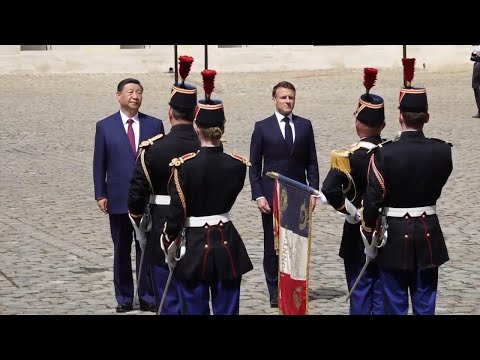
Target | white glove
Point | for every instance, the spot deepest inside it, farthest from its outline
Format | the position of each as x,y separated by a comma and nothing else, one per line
139,234
170,252
353,217
322,198
384,239
370,251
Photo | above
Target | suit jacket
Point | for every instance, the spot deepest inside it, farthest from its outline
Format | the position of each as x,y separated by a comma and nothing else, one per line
414,170
269,152
114,159
476,71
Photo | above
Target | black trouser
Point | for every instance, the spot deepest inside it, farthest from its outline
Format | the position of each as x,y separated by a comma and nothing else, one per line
476,92
122,235
270,258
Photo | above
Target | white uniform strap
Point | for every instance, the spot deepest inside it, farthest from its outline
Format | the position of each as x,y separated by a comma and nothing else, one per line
198,221
366,145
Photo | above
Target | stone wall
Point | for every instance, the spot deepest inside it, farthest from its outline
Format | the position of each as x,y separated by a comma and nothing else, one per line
158,58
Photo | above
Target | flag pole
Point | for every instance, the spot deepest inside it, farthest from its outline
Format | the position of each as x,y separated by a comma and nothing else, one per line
404,56
175,54
206,56
294,183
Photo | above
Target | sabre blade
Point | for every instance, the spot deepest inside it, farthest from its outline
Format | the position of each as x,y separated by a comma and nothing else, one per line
358,278
167,285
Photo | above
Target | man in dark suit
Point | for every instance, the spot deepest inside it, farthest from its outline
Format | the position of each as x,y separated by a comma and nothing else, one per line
283,143
116,142
475,57
344,187
150,183
406,178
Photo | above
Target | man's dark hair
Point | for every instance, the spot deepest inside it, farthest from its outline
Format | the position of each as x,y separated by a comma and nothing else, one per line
124,82
183,113
414,120
283,84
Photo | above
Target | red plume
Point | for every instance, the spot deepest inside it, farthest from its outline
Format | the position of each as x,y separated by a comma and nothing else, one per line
208,81
369,77
185,65
408,70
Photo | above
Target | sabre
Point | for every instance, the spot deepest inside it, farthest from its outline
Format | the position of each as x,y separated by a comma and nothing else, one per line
140,237
358,278
379,239
167,285
137,293
177,253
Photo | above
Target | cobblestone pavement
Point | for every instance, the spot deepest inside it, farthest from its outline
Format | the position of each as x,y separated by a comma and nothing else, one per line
56,254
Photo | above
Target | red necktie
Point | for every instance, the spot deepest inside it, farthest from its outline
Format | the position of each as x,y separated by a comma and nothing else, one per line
131,135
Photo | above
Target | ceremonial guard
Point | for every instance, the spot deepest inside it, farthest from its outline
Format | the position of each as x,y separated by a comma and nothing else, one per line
344,187
406,178
204,187
148,196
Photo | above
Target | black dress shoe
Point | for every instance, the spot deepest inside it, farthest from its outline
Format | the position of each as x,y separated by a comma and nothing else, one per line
124,308
146,307
476,116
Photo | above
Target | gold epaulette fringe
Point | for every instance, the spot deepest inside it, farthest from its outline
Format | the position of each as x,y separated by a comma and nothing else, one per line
179,161
340,160
241,158
150,141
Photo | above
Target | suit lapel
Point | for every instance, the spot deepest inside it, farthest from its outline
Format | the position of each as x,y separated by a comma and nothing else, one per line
277,132
143,125
120,128
296,125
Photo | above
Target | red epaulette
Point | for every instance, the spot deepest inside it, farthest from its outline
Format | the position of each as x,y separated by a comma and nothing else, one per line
179,161
241,158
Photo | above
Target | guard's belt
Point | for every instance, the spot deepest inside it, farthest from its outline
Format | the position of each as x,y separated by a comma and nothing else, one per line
198,221
160,199
413,212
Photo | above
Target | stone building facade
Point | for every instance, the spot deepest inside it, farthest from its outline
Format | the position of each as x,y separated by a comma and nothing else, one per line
225,58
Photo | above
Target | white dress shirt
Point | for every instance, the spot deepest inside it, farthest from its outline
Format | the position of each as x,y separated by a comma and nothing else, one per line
135,126
282,124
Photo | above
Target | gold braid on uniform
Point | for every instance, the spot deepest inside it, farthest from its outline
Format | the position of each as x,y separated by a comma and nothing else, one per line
180,192
241,158
381,181
176,162
379,176
144,167
141,155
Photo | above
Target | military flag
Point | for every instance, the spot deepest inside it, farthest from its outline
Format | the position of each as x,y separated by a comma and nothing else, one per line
292,226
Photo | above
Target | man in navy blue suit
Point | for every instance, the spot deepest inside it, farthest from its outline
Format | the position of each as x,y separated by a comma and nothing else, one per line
283,143
116,142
